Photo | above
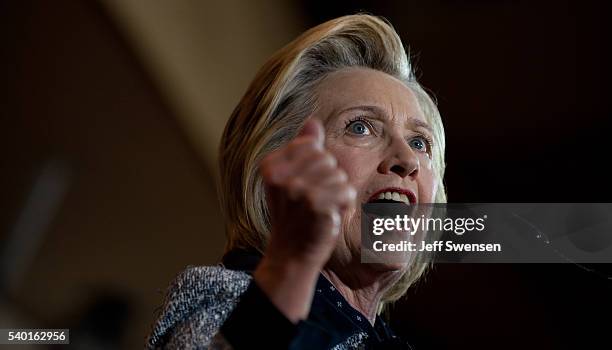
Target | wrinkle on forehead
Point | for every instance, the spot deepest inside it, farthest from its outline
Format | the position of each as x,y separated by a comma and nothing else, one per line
352,87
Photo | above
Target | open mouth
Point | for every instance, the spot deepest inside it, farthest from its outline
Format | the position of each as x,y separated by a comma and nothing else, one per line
393,195
387,201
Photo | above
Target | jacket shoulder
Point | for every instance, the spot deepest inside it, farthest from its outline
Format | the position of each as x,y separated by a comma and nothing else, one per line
200,297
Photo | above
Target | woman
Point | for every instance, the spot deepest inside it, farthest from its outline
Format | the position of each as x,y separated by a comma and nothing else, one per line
333,120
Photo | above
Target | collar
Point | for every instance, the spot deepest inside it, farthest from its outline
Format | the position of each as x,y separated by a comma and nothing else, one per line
329,307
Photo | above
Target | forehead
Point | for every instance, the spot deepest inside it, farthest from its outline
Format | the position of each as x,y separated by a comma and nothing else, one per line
350,87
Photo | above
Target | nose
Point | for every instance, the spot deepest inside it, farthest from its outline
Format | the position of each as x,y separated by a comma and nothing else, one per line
400,160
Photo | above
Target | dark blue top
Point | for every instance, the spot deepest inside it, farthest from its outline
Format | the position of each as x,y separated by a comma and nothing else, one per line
331,320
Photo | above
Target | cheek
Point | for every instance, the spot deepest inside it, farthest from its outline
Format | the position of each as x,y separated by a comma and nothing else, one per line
428,183
358,165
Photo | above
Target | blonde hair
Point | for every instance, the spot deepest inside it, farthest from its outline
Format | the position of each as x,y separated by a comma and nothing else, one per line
282,96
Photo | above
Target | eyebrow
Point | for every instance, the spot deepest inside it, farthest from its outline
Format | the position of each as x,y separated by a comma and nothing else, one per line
379,111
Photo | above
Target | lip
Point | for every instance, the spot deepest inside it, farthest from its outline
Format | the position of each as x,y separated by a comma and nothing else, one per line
411,196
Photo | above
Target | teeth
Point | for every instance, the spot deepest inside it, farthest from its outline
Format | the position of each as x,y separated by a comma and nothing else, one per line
395,196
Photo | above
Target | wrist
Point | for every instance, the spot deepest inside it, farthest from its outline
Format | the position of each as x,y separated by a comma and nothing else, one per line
289,284
289,267
307,258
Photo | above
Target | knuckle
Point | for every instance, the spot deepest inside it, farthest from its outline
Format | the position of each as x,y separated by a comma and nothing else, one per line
351,193
334,218
346,193
310,144
296,187
309,162
311,155
323,161
341,175
330,159
301,144
318,201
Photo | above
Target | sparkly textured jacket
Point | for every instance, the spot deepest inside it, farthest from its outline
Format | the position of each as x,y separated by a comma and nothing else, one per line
221,307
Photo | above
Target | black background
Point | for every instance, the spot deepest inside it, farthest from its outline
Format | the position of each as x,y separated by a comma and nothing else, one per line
523,88
524,91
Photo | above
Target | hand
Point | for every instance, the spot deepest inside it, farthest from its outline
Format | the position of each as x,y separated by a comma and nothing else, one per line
307,195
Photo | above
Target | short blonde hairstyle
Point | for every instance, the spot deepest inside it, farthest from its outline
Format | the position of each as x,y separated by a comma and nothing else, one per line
280,99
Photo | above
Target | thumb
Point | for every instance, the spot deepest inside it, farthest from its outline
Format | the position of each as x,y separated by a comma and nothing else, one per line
314,128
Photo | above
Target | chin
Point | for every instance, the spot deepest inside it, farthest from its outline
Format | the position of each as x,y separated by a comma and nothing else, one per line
388,267
398,264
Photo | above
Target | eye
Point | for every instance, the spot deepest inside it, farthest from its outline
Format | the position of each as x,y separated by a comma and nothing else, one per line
359,127
420,143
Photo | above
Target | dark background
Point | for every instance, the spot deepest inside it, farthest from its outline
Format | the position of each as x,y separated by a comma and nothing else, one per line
523,88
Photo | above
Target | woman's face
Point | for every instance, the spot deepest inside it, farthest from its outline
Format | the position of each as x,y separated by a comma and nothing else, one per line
380,137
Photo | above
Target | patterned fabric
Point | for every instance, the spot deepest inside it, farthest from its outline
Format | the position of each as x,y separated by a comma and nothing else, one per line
355,341
198,302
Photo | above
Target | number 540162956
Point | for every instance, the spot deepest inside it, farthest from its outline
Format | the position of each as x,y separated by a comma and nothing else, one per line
34,336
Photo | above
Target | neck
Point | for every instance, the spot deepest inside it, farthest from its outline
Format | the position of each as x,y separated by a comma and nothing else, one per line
364,293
